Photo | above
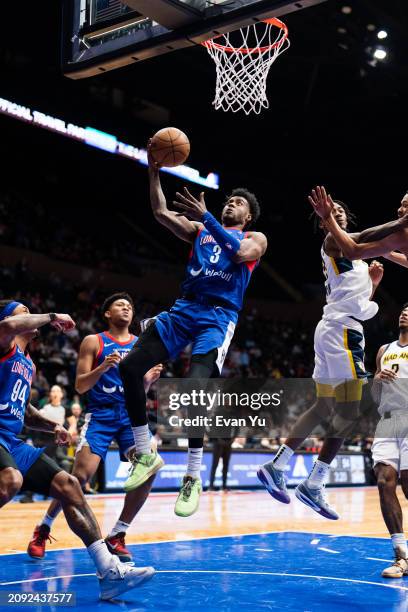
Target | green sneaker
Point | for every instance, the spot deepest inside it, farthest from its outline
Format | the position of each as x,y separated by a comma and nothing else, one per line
143,466
189,496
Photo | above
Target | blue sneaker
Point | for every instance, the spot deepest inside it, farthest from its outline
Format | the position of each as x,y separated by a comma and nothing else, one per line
314,498
274,481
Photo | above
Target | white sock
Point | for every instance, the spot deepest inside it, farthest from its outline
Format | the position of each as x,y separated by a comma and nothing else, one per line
399,545
101,556
319,474
48,520
119,527
282,457
195,456
142,439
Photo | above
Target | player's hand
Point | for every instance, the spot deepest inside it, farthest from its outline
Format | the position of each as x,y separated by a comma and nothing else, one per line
63,323
111,361
152,375
376,272
192,208
403,221
386,375
321,202
62,436
154,166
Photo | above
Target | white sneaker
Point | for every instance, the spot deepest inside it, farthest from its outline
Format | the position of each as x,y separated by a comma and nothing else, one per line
397,570
122,577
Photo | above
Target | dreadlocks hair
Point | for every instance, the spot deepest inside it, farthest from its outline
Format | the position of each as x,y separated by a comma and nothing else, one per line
351,217
254,207
112,298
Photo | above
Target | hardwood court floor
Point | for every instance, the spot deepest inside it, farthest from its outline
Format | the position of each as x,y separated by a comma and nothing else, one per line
242,512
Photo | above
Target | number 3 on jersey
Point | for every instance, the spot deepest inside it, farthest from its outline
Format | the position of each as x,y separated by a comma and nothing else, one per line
216,254
19,393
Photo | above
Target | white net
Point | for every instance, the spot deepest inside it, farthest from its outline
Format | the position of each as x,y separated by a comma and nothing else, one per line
242,69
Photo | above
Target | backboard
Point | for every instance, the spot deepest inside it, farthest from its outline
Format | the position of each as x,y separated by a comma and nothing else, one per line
101,35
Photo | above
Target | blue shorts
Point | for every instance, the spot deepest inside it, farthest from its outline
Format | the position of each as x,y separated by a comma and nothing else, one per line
23,454
204,326
102,426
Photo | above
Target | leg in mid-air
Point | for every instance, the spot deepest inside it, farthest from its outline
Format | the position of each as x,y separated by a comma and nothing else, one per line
203,366
272,473
345,415
149,351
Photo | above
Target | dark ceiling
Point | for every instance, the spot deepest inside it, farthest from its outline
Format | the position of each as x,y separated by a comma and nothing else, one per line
334,118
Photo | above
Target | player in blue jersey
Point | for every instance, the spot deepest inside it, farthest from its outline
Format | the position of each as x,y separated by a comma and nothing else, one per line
222,258
106,419
22,466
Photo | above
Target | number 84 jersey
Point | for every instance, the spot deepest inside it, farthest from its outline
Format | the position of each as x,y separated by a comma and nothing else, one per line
348,288
211,273
16,375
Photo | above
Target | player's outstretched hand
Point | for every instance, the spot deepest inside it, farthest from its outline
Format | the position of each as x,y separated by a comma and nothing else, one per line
63,323
376,272
62,436
111,361
386,375
192,208
322,202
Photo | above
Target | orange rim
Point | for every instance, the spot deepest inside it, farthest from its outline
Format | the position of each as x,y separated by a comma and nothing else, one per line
228,49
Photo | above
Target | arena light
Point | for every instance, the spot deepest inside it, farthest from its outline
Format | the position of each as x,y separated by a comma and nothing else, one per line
382,34
380,54
101,140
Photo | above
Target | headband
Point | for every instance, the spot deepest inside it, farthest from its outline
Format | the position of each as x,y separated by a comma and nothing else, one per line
8,310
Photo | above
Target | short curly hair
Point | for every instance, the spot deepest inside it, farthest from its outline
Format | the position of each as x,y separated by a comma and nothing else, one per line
252,200
113,298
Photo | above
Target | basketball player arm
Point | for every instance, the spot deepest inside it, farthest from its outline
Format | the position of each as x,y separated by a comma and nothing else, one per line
23,323
356,250
86,375
398,258
251,248
34,420
180,226
380,243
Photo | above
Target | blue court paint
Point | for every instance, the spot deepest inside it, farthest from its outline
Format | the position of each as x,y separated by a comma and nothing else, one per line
276,571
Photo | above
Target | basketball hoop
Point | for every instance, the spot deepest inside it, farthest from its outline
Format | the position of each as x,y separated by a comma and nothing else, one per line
242,69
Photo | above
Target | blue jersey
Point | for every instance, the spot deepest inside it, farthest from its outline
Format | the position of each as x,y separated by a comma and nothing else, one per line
16,375
108,391
213,274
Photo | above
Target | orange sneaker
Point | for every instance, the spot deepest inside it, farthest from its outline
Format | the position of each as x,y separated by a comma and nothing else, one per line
36,547
116,545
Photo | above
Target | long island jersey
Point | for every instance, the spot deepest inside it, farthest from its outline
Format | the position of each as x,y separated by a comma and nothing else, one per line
349,289
394,395
212,274
108,391
16,375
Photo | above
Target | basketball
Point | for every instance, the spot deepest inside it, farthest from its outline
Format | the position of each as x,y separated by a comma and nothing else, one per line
170,147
